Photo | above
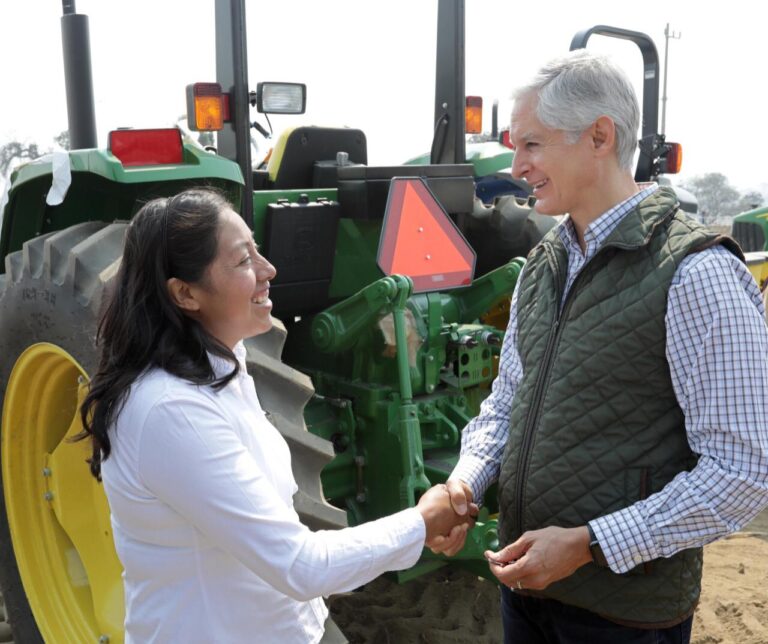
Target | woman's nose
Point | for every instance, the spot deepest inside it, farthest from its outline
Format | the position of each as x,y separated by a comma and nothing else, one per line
266,271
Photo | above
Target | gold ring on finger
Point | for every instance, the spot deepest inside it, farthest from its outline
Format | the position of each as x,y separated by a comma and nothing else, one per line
519,585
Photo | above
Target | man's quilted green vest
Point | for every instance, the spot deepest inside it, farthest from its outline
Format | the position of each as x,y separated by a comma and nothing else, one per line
595,424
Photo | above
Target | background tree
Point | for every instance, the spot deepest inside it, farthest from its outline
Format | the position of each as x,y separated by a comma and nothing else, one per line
750,201
17,151
718,198
13,150
62,140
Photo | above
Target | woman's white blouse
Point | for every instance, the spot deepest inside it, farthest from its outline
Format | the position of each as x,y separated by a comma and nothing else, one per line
200,489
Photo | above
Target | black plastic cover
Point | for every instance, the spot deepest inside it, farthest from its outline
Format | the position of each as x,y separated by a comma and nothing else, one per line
300,242
363,190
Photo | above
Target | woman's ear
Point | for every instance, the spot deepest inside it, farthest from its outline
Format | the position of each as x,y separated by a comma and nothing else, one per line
181,295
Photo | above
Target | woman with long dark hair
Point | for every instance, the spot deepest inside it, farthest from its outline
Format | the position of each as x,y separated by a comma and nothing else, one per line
199,482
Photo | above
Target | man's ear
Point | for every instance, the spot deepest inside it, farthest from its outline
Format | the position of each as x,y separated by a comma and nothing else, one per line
181,295
603,133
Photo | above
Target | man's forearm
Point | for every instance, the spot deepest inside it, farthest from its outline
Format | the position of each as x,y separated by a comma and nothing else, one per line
694,509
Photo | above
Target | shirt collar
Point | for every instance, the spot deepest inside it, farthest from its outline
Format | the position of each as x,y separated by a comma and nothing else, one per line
599,230
222,366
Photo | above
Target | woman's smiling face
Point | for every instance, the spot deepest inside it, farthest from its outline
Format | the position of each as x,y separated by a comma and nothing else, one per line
233,297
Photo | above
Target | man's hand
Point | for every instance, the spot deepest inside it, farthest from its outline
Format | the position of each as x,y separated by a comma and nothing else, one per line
541,557
439,516
461,501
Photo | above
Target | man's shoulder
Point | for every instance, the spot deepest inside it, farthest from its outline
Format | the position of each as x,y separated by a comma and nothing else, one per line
712,261
706,238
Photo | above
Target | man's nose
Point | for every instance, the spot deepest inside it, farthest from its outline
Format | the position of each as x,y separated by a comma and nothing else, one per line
519,165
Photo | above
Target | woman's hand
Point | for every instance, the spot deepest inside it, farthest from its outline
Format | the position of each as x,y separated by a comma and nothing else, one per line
439,516
461,500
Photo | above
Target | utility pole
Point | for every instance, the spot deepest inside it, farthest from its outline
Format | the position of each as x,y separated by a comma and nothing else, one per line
667,36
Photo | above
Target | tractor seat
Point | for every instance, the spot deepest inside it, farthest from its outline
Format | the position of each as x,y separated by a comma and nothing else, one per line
298,151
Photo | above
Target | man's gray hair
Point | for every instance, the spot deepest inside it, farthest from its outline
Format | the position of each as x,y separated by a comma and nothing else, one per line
574,90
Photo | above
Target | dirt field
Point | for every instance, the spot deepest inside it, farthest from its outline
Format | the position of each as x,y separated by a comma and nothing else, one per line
462,609
734,598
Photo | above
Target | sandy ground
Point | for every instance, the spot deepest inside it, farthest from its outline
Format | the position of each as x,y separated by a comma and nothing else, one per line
734,597
455,607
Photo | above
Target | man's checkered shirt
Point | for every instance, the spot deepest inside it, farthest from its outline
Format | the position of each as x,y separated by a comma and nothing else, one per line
717,349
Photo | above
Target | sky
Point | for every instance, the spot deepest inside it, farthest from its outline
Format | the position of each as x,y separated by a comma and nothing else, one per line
371,65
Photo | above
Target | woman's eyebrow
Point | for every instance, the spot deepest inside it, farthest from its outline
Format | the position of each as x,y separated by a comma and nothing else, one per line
246,244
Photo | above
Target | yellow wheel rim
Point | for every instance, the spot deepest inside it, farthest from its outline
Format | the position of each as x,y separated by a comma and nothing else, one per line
57,512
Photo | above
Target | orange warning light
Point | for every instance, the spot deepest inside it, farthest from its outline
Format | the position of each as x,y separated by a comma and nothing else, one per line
207,107
473,115
419,239
674,158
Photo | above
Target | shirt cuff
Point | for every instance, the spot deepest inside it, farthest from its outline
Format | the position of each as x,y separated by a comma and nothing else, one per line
470,469
409,532
625,539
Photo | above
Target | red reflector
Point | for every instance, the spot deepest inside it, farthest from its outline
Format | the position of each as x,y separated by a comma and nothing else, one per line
505,141
146,147
419,239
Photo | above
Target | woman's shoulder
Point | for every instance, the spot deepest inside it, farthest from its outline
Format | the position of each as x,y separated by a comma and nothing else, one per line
157,396
156,386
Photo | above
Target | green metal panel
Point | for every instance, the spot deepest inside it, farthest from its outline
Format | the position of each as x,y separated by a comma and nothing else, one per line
356,248
750,229
197,164
102,189
489,157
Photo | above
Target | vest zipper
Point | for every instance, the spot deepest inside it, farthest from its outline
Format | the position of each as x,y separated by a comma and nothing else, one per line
523,460
533,416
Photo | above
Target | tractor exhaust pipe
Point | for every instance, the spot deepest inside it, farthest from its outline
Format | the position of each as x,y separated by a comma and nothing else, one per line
448,145
75,41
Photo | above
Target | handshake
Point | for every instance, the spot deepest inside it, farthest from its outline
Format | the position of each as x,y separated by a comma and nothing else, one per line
448,513
537,559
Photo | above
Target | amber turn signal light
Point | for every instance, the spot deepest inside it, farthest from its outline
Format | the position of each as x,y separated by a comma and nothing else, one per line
473,115
207,107
674,158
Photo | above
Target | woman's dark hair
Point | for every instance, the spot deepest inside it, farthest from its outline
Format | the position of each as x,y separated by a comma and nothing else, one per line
141,326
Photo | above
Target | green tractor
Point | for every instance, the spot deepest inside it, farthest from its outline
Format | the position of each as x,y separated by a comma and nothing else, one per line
388,324
750,229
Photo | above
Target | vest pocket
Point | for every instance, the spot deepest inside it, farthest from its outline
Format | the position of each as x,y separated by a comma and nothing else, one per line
637,486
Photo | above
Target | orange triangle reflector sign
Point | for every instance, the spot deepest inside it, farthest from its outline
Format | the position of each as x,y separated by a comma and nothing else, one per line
419,239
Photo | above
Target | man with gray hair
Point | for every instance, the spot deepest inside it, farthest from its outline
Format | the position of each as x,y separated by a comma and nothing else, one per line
627,425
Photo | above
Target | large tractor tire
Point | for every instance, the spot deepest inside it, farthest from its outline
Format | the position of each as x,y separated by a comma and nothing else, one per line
59,573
